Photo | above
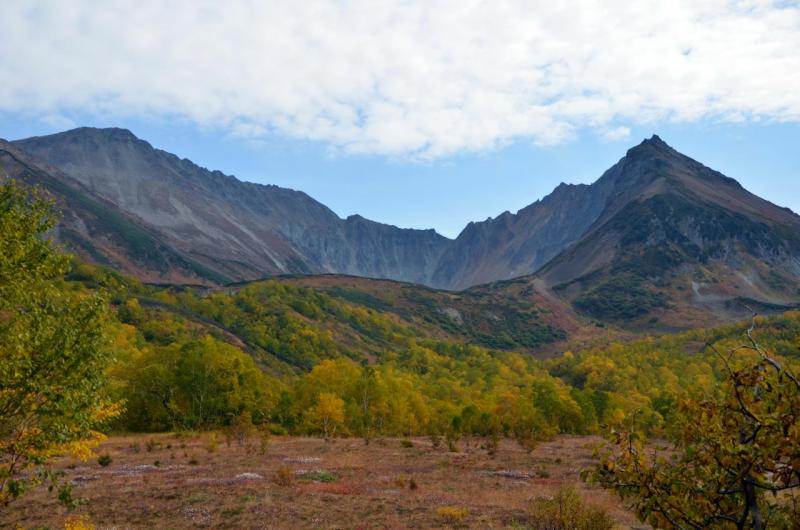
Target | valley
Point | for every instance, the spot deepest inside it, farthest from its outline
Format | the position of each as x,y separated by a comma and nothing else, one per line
401,264
490,397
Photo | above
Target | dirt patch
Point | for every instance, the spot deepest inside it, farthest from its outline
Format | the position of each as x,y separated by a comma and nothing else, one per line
353,486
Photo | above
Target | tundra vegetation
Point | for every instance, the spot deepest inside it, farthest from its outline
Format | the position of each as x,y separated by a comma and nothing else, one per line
83,349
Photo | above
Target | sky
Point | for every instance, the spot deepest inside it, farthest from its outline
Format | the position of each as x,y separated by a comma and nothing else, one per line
419,114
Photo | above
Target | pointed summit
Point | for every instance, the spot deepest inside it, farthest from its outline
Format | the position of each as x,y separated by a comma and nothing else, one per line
651,146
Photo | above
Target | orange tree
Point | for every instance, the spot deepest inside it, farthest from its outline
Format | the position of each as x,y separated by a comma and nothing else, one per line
51,361
736,456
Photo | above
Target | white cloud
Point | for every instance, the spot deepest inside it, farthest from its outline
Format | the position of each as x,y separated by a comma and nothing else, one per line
57,120
424,79
615,133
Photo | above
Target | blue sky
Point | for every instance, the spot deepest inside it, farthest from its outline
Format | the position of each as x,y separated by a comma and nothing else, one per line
420,114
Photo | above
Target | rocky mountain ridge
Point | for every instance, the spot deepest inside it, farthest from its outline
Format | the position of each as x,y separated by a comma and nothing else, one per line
239,230
658,234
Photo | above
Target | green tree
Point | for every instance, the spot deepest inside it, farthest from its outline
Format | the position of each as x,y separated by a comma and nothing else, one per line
199,383
736,456
51,359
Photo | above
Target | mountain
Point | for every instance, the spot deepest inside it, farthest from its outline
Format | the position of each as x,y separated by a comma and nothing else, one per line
657,241
513,245
99,231
236,230
678,243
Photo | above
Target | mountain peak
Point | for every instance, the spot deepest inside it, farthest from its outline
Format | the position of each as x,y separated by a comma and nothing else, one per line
651,145
87,134
110,133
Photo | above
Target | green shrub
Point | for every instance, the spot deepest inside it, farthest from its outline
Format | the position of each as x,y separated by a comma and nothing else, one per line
318,476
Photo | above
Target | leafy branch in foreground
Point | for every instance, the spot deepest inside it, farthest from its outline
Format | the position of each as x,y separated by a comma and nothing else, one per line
51,363
736,456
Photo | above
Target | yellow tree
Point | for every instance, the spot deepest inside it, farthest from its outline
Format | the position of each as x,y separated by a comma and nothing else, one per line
328,413
51,363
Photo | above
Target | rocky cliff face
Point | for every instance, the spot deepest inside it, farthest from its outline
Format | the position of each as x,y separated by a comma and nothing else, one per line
239,230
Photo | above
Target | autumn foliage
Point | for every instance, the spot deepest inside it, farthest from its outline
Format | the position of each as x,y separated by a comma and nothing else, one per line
52,381
735,455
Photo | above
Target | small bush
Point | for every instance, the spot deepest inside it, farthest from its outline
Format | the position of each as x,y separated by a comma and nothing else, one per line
193,461
232,512
104,460
284,476
197,498
318,476
152,445
542,473
452,441
263,441
407,443
452,514
240,430
493,443
212,444
78,522
157,463
567,511
412,484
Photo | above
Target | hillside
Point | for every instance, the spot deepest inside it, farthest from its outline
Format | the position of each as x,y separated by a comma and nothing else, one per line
99,231
484,316
679,245
237,229
293,323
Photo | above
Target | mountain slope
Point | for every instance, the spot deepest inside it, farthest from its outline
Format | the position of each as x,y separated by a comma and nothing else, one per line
485,316
99,231
240,230
682,243
514,245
